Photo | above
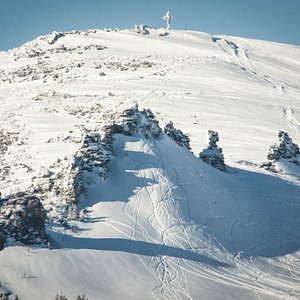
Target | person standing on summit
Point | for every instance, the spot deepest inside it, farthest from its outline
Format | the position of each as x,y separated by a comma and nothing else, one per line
168,17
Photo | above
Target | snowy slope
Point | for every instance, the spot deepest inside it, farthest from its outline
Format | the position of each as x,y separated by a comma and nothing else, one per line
163,225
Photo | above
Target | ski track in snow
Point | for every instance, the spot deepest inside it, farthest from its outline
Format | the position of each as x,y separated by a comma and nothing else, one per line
290,119
169,274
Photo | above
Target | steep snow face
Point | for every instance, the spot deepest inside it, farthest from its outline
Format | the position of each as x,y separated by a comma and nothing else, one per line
161,224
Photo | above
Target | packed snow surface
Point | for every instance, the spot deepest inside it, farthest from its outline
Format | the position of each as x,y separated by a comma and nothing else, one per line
163,224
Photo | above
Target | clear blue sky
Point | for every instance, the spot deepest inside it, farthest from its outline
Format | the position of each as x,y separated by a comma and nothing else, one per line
275,20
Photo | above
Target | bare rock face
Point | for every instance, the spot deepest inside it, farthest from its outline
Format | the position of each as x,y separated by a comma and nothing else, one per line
23,218
213,154
177,135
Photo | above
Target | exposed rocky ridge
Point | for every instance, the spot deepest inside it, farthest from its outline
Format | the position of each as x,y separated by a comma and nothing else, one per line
132,121
62,186
67,180
177,135
213,154
22,217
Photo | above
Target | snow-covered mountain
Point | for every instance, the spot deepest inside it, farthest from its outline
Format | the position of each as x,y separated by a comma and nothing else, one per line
99,197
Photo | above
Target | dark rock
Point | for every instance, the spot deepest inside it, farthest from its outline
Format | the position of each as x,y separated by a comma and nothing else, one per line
269,166
177,135
108,137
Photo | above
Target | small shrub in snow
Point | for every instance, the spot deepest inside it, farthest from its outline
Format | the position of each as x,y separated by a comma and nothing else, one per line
82,297
60,297
213,154
63,297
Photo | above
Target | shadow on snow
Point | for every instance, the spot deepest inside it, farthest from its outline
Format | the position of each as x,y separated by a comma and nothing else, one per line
130,246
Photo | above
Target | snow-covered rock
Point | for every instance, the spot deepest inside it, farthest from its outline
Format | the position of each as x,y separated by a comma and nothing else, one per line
6,139
285,152
177,135
54,37
213,154
68,180
141,29
285,148
23,218
132,121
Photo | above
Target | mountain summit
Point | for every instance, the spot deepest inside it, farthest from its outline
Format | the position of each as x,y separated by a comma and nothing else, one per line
103,190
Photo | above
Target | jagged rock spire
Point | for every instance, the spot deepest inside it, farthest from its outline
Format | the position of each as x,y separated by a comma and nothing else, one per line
177,135
213,154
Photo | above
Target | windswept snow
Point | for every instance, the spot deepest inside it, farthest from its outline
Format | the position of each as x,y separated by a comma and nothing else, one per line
162,224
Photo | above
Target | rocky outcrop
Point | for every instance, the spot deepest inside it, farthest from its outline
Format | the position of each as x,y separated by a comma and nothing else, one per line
69,181
92,156
141,29
22,218
285,148
108,137
213,154
177,135
133,121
